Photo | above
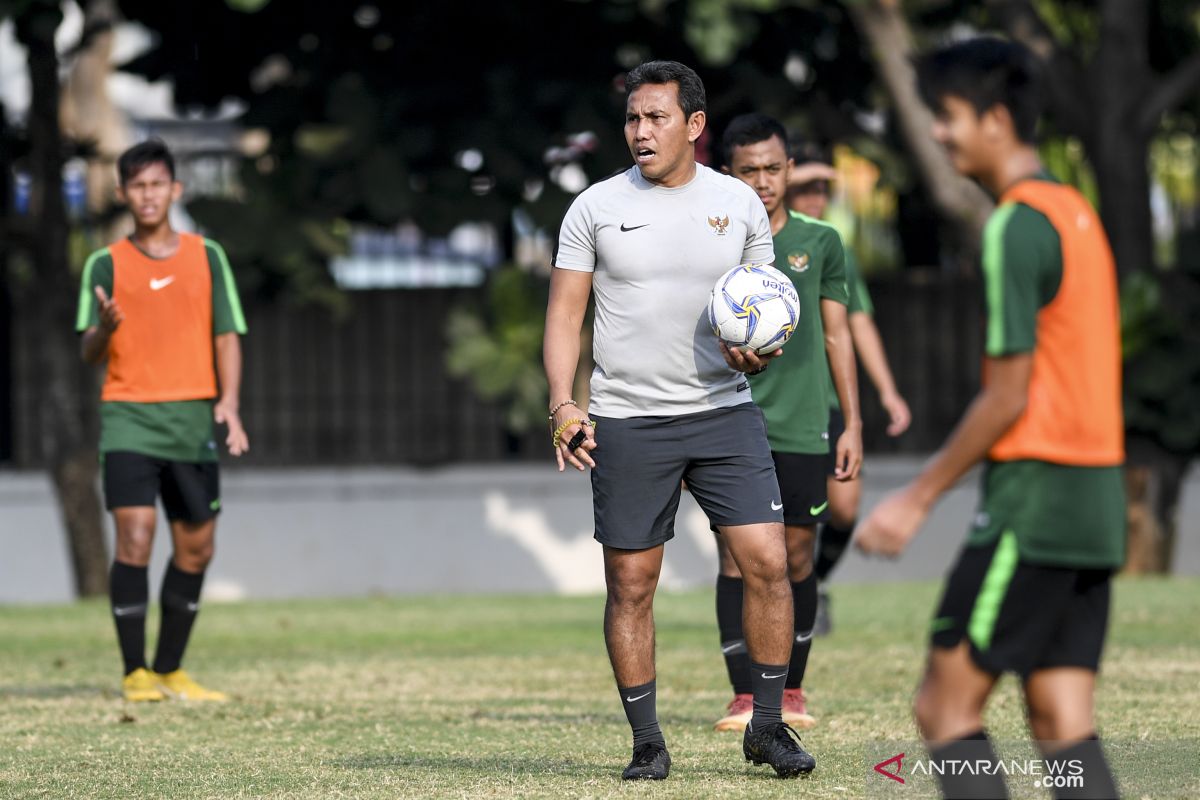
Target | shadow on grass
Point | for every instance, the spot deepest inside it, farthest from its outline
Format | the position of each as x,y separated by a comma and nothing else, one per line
491,766
55,692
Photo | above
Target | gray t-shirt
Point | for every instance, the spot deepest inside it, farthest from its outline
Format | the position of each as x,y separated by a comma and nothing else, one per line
656,253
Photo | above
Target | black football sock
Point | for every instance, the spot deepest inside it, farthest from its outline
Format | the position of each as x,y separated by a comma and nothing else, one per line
180,603
733,640
129,594
804,609
831,545
641,709
1085,759
768,680
963,772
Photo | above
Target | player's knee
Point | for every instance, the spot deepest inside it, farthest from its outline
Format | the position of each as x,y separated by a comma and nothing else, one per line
800,564
632,589
134,544
1060,722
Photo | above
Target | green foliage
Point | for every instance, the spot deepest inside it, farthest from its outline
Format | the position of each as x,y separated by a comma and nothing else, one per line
499,348
1162,358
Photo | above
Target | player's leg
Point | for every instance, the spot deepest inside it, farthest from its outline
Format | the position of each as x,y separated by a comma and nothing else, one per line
732,476
635,495
1060,692
730,590
835,533
805,505
191,497
130,489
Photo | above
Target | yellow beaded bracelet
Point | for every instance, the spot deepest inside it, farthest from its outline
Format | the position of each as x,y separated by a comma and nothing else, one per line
558,432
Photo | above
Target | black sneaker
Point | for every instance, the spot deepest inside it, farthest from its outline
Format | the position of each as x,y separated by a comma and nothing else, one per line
779,746
823,624
651,762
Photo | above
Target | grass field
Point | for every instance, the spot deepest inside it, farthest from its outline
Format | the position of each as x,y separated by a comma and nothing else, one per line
512,697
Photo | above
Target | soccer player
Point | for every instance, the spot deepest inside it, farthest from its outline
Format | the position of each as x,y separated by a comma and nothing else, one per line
1029,592
668,401
794,401
808,194
161,307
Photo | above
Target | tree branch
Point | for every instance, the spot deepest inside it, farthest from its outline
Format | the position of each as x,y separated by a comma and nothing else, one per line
1172,90
957,199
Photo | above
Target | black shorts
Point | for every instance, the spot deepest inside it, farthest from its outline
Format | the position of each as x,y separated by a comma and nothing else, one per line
1021,617
640,461
802,487
191,492
837,426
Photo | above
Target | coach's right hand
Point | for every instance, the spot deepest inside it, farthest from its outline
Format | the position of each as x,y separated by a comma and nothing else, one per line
746,361
581,456
110,313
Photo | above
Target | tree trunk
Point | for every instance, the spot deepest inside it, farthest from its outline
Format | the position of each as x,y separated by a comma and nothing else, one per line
1153,483
957,199
65,382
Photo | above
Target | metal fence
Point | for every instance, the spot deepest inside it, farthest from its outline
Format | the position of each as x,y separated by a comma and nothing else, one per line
370,386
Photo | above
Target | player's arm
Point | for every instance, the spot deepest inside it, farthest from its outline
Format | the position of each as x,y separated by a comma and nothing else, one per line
839,348
565,311
93,344
1022,268
98,315
226,412
893,523
868,344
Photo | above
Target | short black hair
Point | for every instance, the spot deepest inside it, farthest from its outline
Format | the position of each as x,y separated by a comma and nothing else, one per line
985,71
142,155
751,129
690,87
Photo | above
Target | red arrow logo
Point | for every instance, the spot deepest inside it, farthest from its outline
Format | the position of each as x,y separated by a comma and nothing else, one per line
898,760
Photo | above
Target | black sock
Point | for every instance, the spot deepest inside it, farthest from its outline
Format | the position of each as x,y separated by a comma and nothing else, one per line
641,709
804,611
831,544
733,640
129,594
180,603
768,680
1085,759
958,783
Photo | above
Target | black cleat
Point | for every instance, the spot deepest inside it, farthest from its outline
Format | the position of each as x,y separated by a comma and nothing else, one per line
779,746
651,762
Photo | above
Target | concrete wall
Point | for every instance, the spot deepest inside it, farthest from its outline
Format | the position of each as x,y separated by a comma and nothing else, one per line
493,528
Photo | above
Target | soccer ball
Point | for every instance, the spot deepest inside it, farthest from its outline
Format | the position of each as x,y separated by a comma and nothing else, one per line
754,306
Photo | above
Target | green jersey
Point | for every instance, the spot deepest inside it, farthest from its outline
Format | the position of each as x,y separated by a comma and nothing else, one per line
1061,515
793,393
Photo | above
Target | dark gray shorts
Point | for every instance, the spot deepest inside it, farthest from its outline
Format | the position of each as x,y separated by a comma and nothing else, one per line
722,454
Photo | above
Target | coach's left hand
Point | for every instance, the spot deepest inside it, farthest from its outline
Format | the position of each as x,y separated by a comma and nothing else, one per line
226,413
746,361
892,524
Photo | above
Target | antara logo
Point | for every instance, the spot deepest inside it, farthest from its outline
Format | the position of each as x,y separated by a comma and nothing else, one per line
882,768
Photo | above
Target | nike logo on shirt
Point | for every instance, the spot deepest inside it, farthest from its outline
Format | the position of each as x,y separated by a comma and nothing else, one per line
161,283
635,699
632,228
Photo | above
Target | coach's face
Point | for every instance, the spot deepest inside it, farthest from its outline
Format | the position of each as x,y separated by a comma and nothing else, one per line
661,140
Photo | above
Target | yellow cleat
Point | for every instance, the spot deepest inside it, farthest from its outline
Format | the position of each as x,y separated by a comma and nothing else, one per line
141,686
178,685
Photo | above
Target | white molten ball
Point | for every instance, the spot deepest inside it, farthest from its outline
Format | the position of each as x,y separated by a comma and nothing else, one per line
755,307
